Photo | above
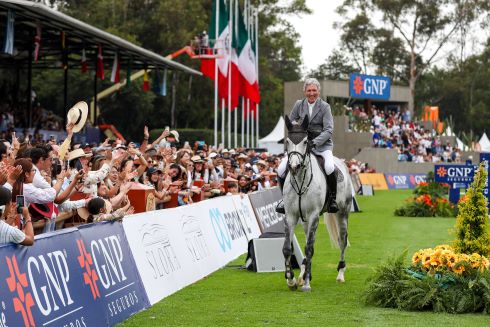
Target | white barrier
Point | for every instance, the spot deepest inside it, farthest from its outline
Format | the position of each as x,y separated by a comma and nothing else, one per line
176,247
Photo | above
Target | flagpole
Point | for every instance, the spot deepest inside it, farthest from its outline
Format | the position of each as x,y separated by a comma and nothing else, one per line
256,16
248,123
223,117
252,134
243,121
230,23
216,36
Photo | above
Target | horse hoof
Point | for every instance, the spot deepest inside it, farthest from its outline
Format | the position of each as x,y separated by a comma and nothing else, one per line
340,276
292,285
306,288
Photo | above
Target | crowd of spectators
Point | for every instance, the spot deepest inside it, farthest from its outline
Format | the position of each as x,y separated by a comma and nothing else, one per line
90,182
393,129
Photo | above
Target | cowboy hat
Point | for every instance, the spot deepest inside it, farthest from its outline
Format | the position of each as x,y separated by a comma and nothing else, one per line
242,156
78,115
42,210
197,159
77,153
175,135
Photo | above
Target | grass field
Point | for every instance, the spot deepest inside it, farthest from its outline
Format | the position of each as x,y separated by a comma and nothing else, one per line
234,297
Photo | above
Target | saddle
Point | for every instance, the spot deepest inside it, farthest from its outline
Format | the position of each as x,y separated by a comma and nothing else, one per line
338,175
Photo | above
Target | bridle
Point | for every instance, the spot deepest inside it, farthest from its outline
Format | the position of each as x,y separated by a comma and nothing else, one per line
300,190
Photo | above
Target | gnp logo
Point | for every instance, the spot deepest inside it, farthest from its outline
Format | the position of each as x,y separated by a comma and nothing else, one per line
89,275
375,87
17,283
399,180
220,229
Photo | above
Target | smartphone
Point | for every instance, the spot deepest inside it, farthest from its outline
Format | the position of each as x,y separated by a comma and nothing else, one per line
66,164
167,128
19,200
168,145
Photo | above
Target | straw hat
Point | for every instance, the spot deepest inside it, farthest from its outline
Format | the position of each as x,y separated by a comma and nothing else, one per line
78,115
175,134
197,159
262,162
78,153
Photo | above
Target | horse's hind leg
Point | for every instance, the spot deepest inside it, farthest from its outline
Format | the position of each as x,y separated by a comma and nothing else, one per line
342,219
310,232
287,250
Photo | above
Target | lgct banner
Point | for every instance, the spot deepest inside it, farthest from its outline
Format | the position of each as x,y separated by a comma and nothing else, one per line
369,87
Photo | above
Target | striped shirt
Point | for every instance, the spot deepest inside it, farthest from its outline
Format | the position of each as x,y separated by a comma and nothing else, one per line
10,234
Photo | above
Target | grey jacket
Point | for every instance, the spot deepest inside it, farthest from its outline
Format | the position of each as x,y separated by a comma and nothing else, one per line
321,122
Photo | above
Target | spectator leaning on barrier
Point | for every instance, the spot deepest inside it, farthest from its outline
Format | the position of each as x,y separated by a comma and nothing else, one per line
9,233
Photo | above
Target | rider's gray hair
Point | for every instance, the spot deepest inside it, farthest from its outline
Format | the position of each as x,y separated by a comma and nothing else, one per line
311,81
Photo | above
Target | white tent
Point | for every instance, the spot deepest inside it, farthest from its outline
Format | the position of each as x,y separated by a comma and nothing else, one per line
271,141
484,143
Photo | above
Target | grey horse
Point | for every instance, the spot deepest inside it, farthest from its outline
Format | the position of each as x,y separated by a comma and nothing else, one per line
305,190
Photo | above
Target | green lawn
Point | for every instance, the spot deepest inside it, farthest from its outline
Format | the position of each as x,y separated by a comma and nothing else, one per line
233,297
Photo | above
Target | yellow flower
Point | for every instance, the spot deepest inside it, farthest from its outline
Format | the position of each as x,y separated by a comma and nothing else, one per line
458,269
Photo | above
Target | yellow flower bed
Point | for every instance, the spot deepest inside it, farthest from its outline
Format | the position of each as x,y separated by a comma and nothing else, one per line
443,258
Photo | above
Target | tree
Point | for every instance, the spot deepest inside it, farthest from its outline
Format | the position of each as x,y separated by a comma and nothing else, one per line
471,223
424,26
336,67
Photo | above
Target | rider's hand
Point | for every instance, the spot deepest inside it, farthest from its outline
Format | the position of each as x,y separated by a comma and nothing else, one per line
311,145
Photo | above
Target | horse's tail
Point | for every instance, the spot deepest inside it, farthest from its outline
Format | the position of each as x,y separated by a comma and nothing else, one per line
332,228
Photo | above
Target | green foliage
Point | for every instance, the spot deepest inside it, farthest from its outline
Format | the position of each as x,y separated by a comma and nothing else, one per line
471,223
395,286
387,283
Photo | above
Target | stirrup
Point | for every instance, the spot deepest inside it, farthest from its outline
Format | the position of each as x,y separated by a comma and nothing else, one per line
280,207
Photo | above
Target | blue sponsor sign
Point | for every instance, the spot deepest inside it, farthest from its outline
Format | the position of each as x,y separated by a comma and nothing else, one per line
369,86
220,229
117,288
485,156
457,176
62,279
403,181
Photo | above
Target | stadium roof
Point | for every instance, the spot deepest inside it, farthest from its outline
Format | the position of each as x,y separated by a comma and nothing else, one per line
78,36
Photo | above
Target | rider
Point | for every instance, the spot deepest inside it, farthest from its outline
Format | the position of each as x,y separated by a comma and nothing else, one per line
320,131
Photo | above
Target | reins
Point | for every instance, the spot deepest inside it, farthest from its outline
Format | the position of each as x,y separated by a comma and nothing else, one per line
295,184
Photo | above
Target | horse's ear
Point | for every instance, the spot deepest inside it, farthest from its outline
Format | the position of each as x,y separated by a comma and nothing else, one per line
305,123
289,125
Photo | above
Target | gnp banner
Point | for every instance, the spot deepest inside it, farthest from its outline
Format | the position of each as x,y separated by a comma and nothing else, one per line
403,181
67,280
369,87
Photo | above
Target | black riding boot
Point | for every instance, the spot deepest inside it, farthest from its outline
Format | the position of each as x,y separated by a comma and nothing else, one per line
332,193
280,205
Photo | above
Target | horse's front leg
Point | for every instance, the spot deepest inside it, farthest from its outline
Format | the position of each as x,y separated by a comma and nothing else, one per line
342,219
310,232
287,250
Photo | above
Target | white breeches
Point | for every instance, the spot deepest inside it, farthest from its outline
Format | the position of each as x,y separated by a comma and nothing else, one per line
327,155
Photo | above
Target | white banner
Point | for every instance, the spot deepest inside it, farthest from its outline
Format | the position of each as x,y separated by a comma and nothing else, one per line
176,247
247,216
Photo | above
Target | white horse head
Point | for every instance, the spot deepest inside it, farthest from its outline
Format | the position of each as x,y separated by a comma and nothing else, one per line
296,144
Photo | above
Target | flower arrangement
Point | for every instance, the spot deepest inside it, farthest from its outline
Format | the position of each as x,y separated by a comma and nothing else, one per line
454,279
429,201
442,259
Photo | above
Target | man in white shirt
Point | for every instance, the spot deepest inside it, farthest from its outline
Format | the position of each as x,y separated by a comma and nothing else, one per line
41,162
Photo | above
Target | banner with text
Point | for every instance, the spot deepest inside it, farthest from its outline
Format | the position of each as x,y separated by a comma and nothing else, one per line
403,181
70,278
176,247
264,204
369,87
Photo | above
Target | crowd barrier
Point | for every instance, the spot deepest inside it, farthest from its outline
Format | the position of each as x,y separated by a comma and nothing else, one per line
392,181
100,274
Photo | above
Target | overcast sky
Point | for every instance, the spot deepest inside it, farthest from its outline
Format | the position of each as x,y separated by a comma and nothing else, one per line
317,36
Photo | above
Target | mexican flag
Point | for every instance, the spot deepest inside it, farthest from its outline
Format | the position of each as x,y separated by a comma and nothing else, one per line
221,48
249,86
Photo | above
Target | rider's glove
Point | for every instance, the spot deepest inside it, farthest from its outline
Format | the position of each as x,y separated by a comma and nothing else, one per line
311,145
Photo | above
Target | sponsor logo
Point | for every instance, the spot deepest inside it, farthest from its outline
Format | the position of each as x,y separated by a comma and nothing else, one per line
220,229
159,252
268,215
17,283
194,238
441,172
377,87
89,275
